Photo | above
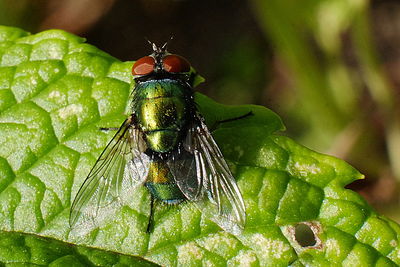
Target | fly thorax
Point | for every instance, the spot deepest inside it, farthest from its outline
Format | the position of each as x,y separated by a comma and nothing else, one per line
162,111
162,140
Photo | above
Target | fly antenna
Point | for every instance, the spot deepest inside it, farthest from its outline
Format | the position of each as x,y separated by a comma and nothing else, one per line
164,47
147,39
155,48
159,49
153,45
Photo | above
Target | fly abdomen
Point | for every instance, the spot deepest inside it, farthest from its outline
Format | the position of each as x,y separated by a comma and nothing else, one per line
160,183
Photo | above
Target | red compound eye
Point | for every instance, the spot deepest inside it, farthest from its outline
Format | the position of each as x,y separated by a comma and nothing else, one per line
175,64
143,66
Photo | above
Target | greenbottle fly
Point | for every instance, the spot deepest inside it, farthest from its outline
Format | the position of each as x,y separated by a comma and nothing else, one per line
165,146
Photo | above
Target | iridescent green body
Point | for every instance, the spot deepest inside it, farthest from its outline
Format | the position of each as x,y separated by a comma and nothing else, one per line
164,108
165,145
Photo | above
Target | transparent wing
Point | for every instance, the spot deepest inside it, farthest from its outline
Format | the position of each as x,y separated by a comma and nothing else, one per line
121,166
182,165
201,173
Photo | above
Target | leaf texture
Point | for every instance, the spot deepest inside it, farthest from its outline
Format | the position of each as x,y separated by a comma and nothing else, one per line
57,91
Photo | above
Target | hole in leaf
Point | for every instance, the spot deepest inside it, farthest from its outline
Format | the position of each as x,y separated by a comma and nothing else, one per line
304,235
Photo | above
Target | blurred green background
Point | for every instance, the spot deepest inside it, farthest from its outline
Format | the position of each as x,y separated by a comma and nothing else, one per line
329,68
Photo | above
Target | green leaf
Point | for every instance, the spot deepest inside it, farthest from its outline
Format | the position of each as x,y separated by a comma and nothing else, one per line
55,94
18,249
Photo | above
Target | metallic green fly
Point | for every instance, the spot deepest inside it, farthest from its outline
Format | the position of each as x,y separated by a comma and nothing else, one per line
164,145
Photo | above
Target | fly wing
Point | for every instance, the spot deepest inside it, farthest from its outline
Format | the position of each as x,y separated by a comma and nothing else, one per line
121,166
182,166
218,183
202,174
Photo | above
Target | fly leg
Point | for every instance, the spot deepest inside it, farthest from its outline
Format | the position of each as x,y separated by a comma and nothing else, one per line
151,217
107,129
131,120
217,123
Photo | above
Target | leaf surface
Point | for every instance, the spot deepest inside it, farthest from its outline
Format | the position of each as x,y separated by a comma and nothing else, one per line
57,91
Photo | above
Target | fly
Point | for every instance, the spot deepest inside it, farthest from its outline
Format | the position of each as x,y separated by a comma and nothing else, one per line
165,146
